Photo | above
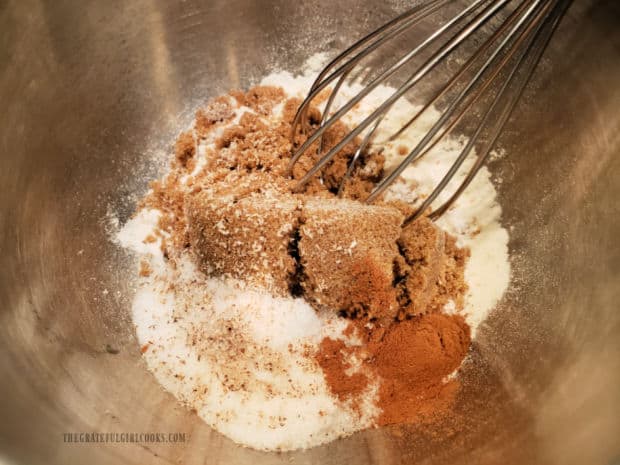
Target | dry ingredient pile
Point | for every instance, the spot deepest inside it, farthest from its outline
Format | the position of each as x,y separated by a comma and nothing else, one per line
288,319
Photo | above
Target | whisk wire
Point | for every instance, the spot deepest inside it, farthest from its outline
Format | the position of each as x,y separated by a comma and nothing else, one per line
390,30
367,89
480,19
418,150
454,79
378,43
472,141
519,41
536,48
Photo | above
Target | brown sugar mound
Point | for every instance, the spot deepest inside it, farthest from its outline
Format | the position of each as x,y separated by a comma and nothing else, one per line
432,270
261,99
347,251
258,144
246,238
240,217
185,148
367,171
219,110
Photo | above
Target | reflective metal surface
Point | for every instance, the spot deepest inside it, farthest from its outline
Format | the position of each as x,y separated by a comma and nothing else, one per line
87,88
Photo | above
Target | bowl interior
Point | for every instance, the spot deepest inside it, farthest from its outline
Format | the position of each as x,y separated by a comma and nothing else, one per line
92,94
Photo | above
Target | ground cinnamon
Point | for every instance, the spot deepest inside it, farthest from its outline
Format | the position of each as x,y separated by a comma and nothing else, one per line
412,358
343,385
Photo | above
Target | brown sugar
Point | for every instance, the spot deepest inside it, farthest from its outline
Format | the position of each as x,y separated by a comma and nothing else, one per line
219,110
252,145
262,99
246,238
167,196
367,171
145,269
347,251
433,269
350,257
185,148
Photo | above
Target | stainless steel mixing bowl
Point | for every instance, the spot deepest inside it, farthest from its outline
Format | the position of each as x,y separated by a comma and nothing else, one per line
89,88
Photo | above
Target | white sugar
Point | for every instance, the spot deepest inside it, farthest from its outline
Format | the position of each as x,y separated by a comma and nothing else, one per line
237,356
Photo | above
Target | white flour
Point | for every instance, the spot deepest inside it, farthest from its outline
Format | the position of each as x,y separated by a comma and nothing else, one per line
236,355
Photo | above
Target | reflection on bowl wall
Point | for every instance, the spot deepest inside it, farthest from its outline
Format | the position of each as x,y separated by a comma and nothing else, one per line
88,90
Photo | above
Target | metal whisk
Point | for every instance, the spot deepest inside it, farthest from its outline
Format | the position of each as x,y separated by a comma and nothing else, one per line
494,76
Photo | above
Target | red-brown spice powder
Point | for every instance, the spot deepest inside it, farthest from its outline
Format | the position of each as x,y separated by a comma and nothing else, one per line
412,358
